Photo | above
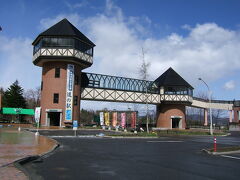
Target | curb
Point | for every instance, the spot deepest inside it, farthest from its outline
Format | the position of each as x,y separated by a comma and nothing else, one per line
29,156
220,153
20,162
52,149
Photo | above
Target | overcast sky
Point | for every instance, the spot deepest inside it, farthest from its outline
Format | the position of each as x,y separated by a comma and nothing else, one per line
199,38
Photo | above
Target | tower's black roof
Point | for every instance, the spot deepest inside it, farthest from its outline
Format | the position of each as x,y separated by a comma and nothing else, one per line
171,78
64,29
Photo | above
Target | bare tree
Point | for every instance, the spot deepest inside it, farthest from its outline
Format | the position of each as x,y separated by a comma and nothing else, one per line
32,97
1,94
143,71
203,95
1,90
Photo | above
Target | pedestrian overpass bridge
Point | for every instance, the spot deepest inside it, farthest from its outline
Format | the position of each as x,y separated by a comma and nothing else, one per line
99,87
120,89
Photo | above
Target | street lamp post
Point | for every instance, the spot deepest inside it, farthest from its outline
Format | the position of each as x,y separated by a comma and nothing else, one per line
210,109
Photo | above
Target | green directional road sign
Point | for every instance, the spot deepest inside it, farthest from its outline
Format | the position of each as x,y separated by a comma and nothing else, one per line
18,111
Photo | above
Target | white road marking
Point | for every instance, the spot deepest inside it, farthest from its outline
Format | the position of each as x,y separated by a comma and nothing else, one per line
232,157
87,136
164,141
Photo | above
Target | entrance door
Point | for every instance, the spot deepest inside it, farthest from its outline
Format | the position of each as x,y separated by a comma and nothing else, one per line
54,118
175,122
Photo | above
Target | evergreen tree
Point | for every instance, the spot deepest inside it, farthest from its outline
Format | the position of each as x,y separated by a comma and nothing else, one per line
13,96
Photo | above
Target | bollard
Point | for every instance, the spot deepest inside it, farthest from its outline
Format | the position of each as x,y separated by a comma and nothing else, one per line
19,128
215,144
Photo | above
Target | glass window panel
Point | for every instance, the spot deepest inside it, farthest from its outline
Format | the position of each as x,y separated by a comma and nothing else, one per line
55,98
54,42
57,72
61,42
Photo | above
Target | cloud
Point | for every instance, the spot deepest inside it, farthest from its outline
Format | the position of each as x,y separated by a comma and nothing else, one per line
76,5
16,63
230,85
208,50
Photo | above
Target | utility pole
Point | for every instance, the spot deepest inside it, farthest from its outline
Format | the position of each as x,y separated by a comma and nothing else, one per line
210,109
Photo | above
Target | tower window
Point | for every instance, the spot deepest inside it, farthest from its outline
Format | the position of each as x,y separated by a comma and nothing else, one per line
55,98
57,72
75,100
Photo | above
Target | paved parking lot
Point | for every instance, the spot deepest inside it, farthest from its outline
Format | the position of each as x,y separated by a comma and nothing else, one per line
116,158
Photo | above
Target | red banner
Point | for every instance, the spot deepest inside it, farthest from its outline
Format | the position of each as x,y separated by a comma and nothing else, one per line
114,119
133,119
123,120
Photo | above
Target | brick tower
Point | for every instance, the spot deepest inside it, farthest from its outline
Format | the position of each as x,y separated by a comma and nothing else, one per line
63,52
176,94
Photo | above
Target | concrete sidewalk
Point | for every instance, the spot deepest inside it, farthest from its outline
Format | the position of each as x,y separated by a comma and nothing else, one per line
16,145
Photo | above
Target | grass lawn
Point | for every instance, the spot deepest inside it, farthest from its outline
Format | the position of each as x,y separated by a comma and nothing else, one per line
226,149
188,132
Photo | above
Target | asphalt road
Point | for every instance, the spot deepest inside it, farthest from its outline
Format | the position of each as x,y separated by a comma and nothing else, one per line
162,158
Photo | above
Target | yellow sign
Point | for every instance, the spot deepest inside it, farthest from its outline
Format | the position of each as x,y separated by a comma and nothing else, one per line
106,118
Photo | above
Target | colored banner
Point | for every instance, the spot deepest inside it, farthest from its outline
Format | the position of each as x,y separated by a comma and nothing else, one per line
37,114
101,119
123,120
69,92
114,119
133,119
106,118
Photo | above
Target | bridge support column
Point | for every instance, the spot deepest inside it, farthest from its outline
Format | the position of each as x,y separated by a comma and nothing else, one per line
230,116
236,114
205,117
171,116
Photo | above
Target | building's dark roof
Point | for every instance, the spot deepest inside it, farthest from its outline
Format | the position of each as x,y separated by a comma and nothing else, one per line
66,29
171,78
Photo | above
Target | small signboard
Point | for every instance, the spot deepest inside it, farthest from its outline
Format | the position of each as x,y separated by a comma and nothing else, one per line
75,125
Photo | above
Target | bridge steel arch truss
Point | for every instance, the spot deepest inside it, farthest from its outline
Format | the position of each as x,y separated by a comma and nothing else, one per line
119,89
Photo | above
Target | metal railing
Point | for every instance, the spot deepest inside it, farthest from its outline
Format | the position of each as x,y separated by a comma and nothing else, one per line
119,83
